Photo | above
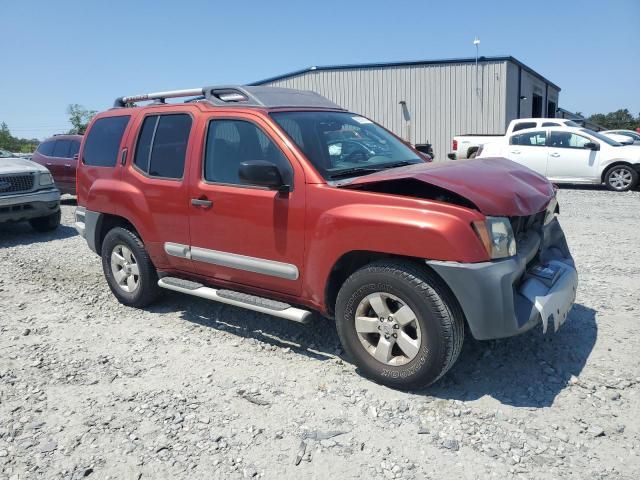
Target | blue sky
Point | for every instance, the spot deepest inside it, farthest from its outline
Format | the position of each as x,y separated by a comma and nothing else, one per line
59,52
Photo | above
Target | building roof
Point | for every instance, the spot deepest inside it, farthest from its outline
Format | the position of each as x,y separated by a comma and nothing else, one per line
406,64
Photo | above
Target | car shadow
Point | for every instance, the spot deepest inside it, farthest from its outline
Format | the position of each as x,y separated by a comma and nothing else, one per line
13,234
529,370
317,339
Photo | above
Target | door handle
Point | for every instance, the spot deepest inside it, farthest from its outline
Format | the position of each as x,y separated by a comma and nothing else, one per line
68,165
515,151
201,202
49,164
554,154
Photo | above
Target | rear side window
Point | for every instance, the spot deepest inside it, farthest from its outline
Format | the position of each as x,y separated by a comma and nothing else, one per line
523,125
61,148
75,147
103,141
162,145
46,148
529,139
551,124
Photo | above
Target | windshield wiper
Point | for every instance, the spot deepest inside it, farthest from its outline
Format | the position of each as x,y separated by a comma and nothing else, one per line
353,172
403,163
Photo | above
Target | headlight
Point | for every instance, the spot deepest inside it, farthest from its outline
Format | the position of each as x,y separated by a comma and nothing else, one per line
45,179
496,235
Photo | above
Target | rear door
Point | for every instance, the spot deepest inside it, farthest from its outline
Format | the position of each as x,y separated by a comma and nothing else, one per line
569,160
528,148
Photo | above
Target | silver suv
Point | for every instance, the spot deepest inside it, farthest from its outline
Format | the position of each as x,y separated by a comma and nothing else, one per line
27,192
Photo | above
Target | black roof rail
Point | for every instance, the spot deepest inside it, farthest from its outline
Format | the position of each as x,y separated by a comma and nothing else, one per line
229,95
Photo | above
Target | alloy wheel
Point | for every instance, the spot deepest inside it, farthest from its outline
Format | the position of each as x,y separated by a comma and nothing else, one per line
124,267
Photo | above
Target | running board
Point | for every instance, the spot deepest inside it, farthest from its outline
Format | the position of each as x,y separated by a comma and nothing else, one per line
243,300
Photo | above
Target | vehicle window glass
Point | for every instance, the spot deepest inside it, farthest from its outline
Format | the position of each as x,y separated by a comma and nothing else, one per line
103,141
74,148
46,148
602,138
535,139
523,125
551,124
143,146
61,149
567,140
341,144
231,142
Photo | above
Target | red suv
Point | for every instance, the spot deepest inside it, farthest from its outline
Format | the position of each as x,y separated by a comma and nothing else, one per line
281,202
60,155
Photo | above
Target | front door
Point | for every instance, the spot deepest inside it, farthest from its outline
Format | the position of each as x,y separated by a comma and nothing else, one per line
569,160
529,150
241,233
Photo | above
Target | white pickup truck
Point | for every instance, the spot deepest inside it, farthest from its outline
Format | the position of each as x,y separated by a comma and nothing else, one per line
466,146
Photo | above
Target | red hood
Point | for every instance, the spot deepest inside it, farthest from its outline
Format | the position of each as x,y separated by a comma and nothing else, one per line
497,186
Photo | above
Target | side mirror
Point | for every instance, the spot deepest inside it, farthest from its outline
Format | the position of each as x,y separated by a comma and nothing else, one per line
262,173
592,146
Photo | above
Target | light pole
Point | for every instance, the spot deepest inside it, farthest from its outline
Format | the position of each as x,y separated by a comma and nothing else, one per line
476,42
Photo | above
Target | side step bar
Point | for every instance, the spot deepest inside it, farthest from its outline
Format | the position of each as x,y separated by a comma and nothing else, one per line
250,302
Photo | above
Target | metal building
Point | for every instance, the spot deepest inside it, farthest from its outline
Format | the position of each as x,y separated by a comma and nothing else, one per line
431,101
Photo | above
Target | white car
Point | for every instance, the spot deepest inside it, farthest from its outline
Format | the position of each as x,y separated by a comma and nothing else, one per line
623,139
571,155
627,133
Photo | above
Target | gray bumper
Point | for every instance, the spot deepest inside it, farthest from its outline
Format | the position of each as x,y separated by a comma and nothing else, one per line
25,206
86,224
503,298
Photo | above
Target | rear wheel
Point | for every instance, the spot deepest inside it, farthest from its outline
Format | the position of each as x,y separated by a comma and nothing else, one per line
399,323
46,224
621,178
128,269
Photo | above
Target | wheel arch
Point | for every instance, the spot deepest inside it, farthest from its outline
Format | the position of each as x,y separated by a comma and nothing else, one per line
617,163
107,222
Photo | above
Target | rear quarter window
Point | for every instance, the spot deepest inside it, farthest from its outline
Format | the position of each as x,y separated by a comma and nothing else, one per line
103,141
46,148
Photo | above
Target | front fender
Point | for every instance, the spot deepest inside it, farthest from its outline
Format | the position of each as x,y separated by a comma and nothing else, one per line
393,230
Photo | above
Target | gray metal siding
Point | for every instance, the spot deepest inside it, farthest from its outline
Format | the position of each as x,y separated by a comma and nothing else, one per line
442,100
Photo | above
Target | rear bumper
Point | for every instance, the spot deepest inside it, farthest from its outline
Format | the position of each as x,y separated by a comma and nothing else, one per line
452,156
19,207
505,298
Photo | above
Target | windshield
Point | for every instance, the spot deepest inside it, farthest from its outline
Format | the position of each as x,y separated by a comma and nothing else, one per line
341,144
602,138
571,123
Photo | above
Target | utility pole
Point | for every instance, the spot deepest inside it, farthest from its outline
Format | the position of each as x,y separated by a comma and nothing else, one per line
476,42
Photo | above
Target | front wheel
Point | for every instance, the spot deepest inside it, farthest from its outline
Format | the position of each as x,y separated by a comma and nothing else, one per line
399,323
621,178
128,269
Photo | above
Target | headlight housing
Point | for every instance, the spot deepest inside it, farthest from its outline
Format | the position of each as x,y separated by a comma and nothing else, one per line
45,179
496,236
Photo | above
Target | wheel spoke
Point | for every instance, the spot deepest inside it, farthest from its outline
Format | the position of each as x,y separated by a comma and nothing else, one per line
120,276
379,305
366,325
128,256
408,345
383,350
404,316
134,269
117,258
131,283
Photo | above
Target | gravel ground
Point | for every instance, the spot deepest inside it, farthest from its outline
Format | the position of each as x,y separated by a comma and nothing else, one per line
190,389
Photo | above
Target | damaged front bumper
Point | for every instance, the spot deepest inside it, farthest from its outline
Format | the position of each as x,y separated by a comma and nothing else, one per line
507,297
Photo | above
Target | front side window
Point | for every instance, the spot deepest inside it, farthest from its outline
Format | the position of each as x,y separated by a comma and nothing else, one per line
46,148
231,142
342,145
103,141
61,149
162,145
567,140
523,126
529,139
75,147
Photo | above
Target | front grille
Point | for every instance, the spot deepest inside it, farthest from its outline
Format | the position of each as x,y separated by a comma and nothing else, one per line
15,183
520,225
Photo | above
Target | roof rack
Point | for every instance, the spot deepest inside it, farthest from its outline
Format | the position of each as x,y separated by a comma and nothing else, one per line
230,95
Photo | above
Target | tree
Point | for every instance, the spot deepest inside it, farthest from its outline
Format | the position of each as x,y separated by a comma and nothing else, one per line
13,144
79,117
620,119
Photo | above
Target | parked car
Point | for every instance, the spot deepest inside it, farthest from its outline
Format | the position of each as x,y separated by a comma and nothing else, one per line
627,133
59,154
467,146
245,198
621,139
571,155
28,193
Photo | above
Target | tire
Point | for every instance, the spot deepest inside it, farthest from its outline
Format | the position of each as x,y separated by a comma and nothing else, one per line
435,335
123,254
473,154
621,178
46,224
